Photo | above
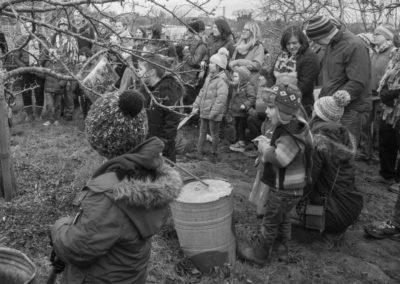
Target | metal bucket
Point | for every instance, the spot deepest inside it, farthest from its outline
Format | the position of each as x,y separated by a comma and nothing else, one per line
205,231
16,267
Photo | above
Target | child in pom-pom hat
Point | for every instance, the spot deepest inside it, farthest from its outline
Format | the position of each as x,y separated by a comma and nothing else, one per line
212,103
124,203
287,165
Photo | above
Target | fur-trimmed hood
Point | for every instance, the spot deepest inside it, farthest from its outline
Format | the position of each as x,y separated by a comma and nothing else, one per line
150,194
335,140
146,202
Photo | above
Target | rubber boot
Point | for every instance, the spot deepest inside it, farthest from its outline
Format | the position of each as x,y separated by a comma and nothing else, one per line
283,252
213,158
259,254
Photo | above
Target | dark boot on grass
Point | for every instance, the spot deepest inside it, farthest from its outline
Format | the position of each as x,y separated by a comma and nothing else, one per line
213,158
283,252
258,254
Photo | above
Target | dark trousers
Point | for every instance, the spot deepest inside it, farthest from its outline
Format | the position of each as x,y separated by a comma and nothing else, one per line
396,214
254,124
240,128
352,120
389,144
276,222
169,150
27,81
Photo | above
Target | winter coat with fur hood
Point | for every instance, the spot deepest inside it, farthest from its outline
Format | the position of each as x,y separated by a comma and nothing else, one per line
213,97
334,152
109,240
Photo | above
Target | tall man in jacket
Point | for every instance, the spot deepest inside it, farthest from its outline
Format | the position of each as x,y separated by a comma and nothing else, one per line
345,66
166,90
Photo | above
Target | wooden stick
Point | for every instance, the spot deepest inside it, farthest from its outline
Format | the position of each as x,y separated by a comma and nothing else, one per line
186,171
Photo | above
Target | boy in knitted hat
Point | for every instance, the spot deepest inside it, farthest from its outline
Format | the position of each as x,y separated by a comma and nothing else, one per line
286,171
124,203
242,100
212,103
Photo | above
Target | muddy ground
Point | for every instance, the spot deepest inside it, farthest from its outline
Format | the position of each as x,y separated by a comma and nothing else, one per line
53,163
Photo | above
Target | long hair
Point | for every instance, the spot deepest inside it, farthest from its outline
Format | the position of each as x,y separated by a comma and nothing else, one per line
223,28
294,31
255,32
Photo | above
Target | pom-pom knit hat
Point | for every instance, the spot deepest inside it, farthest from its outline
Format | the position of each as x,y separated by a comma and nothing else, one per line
386,31
286,97
331,108
220,58
117,123
319,27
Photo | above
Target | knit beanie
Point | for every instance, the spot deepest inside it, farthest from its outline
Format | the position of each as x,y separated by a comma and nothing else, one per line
220,58
116,123
196,26
385,30
319,27
244,73
367,38
331,108
63,21
286,98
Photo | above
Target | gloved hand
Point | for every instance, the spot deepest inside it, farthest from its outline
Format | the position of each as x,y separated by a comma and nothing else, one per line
388,96
58,264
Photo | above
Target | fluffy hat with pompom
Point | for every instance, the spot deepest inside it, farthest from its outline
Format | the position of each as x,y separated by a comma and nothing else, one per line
331,108
116,123
220,58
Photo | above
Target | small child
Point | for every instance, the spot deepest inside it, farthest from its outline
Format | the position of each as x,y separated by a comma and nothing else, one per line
286,171
212,103
243,99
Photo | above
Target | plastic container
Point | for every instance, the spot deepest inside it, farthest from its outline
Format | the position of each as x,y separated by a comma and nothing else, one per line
204,225
16,267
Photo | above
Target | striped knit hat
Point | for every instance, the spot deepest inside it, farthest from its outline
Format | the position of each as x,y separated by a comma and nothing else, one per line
319,27
331,108
386,31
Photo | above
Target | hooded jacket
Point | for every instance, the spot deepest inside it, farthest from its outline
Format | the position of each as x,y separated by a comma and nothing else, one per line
213,97
197,52
242,95
333,175
287,165
334,152
109,240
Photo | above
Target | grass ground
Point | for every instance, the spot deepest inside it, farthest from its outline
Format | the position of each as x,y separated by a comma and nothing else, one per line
53,164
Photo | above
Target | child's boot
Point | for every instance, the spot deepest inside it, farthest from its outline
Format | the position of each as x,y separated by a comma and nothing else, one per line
283,252
214,158
258,254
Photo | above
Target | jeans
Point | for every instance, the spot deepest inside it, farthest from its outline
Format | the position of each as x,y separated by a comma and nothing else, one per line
53,106
240,128
213,126
352,120
389,144
276,221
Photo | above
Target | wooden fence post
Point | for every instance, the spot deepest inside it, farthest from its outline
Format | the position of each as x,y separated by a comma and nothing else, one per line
8,188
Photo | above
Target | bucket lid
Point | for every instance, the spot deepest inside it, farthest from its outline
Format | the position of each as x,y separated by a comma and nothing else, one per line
196,192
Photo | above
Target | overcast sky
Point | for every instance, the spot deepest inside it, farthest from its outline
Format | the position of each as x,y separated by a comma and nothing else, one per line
230,6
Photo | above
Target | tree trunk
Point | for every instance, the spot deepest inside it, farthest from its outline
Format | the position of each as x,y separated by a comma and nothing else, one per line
8,186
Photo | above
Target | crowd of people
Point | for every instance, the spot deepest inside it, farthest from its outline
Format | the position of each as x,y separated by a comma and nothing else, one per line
303,119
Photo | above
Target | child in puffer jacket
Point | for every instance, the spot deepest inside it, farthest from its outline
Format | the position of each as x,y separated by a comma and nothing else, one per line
212,103
242,100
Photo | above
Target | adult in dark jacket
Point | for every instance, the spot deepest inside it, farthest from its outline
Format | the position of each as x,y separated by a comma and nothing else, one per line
221,36
125,202
346,66
333,172
193,54
298,65
32,53
166,90
83,28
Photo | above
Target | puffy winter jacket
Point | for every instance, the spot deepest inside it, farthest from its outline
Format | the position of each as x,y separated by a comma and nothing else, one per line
212,99
333,175
109,239
242,95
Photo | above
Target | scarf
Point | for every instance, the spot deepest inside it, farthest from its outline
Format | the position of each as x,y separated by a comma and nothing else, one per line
243,48
146,155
